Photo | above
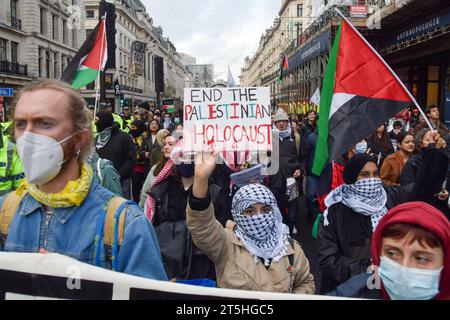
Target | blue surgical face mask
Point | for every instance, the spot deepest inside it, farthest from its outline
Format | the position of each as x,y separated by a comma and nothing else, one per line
361,147
403,283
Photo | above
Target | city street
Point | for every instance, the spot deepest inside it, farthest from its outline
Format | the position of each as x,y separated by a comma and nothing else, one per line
154,150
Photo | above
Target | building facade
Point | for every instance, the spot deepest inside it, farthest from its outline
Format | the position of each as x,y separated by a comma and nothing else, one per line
203,75
38,38
413,36
415,41
133,23
263,68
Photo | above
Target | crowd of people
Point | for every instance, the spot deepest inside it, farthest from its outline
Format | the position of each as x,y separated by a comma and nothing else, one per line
71,178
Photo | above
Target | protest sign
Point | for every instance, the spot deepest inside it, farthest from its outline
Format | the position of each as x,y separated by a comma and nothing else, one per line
227,119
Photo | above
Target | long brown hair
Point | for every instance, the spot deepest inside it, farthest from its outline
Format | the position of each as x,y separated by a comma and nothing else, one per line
162,162
384,142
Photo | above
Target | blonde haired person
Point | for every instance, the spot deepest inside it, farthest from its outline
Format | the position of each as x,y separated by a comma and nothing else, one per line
60,204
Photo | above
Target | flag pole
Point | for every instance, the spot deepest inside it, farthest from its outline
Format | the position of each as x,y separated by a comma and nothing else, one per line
389,68
97,86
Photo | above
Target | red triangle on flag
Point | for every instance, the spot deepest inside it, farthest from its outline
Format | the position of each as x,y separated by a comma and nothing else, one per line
285,63
97,57
360,71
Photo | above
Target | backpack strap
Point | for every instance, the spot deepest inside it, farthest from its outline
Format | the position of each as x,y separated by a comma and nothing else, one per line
8,210
113,229
110,221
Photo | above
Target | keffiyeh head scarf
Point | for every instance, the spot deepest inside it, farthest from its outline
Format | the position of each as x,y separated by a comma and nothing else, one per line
103,138
365,196
264,235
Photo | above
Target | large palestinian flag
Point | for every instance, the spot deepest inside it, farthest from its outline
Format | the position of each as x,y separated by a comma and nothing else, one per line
359,93
89,60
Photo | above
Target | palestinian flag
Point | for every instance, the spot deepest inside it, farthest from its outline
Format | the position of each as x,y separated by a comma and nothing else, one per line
359,93
168,108
283,68
89,60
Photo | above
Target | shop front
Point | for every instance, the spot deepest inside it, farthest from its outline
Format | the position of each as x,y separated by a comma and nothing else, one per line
420,55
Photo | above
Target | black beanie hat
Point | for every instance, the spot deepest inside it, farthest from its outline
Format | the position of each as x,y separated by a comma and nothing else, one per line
105,120
354,166
145,105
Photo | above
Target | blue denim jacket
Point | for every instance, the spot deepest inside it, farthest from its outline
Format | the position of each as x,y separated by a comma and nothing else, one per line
71,232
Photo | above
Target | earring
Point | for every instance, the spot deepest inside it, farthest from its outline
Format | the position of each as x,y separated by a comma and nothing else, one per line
78,152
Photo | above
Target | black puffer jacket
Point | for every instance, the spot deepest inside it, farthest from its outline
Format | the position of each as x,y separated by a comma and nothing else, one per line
376,147
121,151
344,245
289,160
181,258
306,128
307,152
412,168
171,200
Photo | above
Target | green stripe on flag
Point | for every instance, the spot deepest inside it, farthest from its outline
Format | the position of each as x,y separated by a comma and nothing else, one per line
321,156
84,77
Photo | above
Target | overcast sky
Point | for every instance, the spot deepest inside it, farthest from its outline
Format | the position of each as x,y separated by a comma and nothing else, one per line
221,32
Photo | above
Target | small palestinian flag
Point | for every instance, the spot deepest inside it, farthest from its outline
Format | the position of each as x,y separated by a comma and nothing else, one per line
359,93
168,108
89,60
283,68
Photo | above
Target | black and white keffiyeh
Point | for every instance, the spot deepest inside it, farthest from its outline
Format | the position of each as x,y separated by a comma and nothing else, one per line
366,196
103,138
264,235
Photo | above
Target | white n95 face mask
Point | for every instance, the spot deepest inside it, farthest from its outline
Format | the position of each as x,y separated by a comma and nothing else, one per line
41,156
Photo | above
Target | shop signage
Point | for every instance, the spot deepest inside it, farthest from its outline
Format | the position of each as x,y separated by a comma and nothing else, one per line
419,29
313,49
6,92
358,11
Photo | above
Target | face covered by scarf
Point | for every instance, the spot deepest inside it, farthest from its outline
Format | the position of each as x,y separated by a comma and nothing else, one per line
283,133
104,125
137,128
264,235
365,196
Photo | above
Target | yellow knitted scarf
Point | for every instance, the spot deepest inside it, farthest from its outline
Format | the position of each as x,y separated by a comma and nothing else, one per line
73,193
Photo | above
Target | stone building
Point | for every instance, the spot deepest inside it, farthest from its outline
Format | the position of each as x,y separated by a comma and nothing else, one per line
38,38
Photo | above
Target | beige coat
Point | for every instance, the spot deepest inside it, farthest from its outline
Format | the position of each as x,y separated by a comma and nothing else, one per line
235,267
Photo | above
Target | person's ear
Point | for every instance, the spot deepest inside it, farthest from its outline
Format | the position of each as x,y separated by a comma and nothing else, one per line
81,139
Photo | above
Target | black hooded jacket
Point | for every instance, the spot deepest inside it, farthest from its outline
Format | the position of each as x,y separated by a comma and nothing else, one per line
344,245
121,151
181,258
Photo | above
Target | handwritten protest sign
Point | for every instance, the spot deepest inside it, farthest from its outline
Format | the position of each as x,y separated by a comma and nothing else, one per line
227,119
